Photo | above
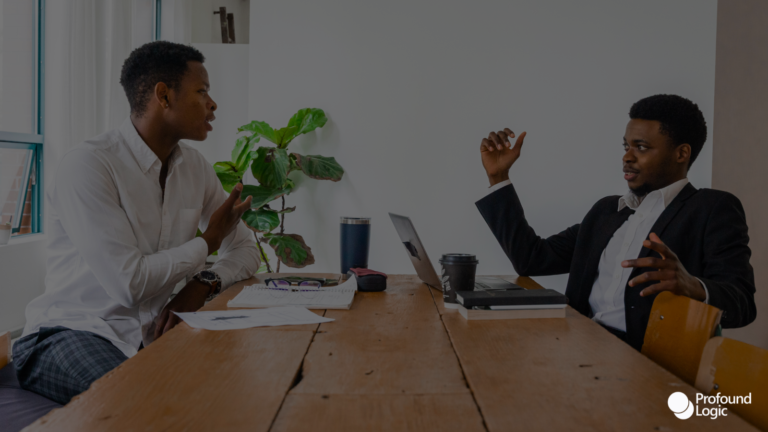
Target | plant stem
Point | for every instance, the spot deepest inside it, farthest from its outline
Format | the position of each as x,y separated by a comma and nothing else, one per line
263,255
282,229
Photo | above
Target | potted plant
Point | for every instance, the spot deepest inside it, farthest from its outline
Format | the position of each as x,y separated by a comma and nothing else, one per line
270,166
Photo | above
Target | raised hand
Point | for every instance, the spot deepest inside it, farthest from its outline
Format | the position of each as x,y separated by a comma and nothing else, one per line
498,155
225,218
671,273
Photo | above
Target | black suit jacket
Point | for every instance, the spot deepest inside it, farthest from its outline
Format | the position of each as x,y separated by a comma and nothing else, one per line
706,228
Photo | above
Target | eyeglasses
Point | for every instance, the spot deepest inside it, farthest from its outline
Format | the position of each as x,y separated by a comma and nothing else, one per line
300,282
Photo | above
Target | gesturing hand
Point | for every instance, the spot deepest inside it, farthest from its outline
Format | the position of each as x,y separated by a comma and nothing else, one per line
189,299
671,273
225,218
498,155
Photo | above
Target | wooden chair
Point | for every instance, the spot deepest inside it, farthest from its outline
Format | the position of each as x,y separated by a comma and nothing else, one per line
678,329
5,349
734,368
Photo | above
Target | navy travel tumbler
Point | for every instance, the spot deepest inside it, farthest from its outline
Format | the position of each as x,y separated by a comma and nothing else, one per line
355,240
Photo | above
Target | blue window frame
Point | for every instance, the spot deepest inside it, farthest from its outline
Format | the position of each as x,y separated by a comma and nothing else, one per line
23,152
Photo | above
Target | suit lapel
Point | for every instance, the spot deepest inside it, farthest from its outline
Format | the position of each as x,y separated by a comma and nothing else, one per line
668,214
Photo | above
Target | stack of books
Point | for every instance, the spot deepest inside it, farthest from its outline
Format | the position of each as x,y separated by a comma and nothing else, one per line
511,304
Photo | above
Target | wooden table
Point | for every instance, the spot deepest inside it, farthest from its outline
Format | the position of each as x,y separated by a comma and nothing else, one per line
397,361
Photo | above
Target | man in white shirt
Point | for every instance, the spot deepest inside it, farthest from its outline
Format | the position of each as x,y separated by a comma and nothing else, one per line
662,235
125,209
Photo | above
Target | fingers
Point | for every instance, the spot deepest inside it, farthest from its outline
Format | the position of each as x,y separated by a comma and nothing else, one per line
243,206
234,196
519,142
497,142
504,139
160,323
657,288
487,145
660,275
509,132
647,262
173,319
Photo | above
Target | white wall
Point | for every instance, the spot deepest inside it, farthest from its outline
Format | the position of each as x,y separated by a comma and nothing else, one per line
411,88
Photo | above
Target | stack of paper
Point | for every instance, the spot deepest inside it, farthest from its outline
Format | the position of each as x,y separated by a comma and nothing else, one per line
261,296
240,319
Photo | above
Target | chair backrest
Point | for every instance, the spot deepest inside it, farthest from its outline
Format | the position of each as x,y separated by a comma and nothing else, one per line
5,349
734,368
678,329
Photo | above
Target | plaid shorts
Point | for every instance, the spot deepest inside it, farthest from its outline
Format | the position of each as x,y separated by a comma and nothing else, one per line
60,363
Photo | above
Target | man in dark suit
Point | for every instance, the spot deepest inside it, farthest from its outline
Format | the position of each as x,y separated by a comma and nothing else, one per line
663,235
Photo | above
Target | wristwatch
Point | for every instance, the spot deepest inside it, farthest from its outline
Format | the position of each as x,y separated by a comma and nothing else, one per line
211,279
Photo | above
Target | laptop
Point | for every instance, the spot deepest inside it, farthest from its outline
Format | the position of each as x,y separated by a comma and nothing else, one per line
423,265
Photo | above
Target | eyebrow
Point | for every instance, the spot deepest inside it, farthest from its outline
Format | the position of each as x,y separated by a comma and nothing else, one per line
636,141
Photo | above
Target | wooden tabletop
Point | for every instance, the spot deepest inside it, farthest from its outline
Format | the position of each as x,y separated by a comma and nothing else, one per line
397,360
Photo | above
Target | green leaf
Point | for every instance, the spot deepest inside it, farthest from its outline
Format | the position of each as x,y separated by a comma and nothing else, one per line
262,195
291,249
319,167
241,154
228,175
285,136
270,166
262,129
307,120
262,220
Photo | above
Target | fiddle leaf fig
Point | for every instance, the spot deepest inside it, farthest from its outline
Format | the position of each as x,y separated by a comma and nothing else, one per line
307,120
241,154
228,175
270,166
260,128
262,220
262,195
291,249
319,167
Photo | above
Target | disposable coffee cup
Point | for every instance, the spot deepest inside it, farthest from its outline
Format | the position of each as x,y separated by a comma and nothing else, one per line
458,274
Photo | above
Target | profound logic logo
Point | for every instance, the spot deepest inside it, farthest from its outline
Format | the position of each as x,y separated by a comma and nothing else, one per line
684,409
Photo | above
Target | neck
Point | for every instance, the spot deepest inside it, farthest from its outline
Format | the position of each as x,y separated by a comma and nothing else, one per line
155,133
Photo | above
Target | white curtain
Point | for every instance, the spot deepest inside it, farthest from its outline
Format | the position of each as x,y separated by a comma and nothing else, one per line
87,42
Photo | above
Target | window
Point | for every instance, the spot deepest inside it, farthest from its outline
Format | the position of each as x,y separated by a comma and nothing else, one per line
21,114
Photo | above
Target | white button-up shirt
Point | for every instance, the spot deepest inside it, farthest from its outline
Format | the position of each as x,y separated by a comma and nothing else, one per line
607,297
117,247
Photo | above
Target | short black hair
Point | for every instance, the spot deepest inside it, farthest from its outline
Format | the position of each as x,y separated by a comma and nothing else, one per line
151,63
681,120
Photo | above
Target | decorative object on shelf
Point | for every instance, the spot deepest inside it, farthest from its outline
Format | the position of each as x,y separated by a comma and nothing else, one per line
227,21
5,233
270,166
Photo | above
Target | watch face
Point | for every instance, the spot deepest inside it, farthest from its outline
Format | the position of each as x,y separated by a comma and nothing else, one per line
208,275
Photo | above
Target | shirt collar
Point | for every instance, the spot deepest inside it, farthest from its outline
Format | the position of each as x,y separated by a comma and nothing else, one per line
668,193
144,155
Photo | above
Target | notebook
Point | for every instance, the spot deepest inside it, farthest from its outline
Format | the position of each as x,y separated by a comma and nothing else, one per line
486,313
529,298
261,296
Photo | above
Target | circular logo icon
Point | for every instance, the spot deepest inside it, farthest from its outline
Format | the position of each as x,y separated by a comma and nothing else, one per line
680,405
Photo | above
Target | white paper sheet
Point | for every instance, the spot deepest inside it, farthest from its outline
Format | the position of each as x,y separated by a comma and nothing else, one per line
247,318
259,295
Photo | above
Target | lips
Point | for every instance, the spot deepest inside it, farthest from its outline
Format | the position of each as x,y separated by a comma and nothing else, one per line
208,121
630,174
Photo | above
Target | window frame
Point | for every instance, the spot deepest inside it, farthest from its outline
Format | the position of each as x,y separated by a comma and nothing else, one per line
33,141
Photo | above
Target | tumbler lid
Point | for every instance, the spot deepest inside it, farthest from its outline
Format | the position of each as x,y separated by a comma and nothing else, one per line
457,258
356,220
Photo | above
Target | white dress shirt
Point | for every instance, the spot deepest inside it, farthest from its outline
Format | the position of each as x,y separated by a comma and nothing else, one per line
607,297
117,247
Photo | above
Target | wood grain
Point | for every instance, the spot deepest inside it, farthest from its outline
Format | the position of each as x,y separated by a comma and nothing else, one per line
384,413
737,369
192,379
390,342
678,328
567,374
5,349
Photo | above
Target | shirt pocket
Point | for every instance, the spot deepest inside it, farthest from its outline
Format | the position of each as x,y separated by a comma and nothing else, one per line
187,223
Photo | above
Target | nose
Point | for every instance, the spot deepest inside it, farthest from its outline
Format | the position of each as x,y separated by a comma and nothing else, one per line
214,106
629,156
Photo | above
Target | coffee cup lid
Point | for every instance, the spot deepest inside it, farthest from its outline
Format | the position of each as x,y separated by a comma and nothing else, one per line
458,258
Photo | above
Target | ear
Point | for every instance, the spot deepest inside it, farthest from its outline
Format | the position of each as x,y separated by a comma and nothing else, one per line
683,153
161,94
